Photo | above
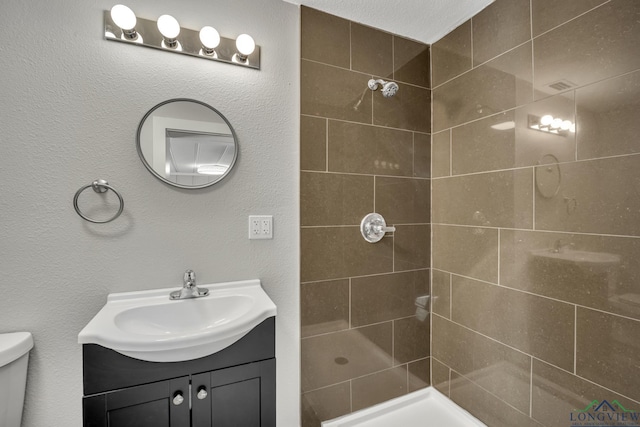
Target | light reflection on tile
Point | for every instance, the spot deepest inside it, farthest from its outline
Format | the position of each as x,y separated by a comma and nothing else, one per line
594,271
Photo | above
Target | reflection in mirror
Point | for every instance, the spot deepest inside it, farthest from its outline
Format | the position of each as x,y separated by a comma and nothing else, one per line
187,143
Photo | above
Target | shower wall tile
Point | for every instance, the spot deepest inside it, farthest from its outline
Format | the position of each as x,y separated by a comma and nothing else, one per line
349,161
440,293
410,108
597,196
371,51
411,339
411,247
608,111
607,349
334,199
538,326
495,199
440,376
411,60
313,143
325,404
421,155
601,272
505,141
557,393
501,26
379,387
324,38
485,406
547,14
501,370
451,55
419,374
366,149
500,84
340,356
441,156
403,200
386,297
594,47
324,307
468,251
339,252
334,93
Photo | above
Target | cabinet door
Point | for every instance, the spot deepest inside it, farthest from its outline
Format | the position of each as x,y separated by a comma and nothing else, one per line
239,396
161,404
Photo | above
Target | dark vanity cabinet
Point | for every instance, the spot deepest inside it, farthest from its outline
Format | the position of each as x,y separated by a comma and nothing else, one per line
234,387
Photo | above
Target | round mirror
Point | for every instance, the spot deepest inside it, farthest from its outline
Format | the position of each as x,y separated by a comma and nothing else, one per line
187,143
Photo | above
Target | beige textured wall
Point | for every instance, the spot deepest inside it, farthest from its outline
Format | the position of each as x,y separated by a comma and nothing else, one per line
523,334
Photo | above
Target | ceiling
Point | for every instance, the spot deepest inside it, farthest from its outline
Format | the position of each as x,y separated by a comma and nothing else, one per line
422,20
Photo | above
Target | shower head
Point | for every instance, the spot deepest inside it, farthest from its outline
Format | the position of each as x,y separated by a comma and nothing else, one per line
388,88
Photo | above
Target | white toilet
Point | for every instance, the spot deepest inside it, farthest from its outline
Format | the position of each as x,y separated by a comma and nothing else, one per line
14,357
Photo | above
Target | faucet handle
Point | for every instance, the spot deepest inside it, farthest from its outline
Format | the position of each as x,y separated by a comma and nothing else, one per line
190,277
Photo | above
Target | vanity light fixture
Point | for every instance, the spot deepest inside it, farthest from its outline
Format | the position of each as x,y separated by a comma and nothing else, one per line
124,18
122,25
210,39
245,46
552,125
170,30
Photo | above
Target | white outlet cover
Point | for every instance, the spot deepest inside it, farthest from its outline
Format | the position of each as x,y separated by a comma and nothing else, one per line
260,227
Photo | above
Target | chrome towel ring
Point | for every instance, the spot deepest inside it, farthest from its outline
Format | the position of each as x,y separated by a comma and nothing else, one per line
99,186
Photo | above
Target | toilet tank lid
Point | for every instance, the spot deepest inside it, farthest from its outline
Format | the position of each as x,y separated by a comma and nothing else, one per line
14,345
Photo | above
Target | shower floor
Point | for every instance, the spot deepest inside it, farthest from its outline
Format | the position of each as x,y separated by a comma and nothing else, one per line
423,408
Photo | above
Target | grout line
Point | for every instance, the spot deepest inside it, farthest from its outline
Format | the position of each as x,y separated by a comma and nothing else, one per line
531,390
546,297
570,162
413,154
350,47
471,39
473,67
450,152
575,121
373,125
450,296
533,195
449,395
326,145
351,395
575,340
533,72
364,276
374,192
572,19
577,233
365,174
350,304
498,278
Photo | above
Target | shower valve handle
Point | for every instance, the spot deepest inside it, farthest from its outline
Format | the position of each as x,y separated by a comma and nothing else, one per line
373,227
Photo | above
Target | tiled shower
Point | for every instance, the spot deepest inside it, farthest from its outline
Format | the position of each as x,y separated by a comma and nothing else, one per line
530,233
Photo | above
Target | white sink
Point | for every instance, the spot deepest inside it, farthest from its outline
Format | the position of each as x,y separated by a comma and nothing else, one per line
147,325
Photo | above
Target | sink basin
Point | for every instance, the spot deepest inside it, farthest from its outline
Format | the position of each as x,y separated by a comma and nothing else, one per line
147,325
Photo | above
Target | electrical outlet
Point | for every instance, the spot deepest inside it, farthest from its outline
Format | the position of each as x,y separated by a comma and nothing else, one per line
260,227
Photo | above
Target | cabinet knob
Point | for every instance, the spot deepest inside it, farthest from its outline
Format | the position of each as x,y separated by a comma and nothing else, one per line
202,393
177,398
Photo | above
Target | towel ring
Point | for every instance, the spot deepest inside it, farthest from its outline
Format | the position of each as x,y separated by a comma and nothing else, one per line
99,186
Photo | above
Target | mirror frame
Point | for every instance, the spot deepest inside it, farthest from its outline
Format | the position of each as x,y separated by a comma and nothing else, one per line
163,179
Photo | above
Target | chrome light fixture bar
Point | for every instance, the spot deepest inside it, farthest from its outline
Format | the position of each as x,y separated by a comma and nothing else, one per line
167,35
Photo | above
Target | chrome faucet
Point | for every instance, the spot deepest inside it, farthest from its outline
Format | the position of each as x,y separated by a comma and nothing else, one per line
189,288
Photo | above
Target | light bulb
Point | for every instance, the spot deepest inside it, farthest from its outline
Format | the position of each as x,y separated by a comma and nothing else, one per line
210,39
123,17
566,125
168,27
245,45
546,120
556,123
